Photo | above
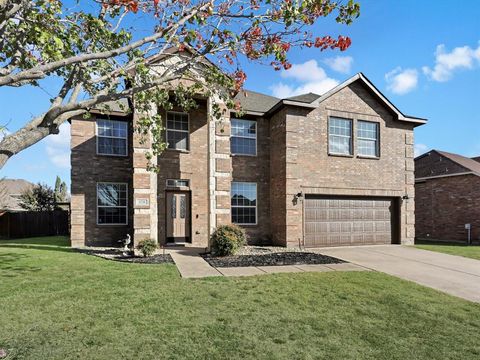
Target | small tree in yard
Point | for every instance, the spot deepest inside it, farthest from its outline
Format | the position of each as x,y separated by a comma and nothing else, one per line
60,190
90,53
39,198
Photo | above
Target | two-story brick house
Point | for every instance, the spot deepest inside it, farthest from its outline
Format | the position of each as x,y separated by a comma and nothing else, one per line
310,170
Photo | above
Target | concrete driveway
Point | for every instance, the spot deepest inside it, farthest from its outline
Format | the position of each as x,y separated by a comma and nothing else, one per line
452,274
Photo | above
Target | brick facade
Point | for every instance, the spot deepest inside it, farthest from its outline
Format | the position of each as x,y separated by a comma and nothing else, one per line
88,169
292,157
311,170
447,199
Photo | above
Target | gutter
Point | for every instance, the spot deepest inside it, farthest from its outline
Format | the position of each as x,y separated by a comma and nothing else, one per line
445,176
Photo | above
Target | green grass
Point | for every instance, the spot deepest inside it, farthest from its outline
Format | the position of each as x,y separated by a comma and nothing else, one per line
58,304
472,251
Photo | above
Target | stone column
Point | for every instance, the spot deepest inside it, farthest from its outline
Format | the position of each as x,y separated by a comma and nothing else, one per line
220,168
145,218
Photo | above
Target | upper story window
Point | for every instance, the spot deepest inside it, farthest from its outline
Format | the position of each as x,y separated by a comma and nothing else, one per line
367,138
111,204
112,137
244,203
243,139
177,131
340,136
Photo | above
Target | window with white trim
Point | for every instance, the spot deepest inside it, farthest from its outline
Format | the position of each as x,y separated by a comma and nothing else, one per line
244,203
112,137
177,131
340,136
243,140
112,204
367,138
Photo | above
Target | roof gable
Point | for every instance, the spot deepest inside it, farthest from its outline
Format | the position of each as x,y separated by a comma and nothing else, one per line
382,98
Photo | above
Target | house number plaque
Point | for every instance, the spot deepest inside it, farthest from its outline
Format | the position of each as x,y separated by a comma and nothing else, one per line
142,202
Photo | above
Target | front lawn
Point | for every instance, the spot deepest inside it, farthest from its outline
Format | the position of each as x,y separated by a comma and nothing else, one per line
58,304
471,251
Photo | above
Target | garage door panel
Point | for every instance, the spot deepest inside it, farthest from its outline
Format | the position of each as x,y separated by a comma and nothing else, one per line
348,221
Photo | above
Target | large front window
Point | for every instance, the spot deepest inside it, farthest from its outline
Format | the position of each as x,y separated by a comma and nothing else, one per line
177,131
111,204
340,136
244,203
243,139
112,137
367,138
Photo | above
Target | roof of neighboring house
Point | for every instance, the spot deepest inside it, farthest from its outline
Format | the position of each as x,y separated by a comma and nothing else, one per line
10,190
467,163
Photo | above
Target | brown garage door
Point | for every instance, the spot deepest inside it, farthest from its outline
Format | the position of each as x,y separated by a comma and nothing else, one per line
337,221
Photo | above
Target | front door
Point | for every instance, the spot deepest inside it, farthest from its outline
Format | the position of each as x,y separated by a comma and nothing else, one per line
178,216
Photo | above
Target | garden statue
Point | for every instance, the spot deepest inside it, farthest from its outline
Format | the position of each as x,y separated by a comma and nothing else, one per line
126,242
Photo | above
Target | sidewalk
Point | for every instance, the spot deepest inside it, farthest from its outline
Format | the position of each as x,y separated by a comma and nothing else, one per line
191,265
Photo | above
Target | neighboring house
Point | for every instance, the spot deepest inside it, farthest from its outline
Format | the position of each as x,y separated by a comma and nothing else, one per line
10,191
310,170
447,196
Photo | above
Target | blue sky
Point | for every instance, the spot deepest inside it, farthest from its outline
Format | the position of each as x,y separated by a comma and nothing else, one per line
424,56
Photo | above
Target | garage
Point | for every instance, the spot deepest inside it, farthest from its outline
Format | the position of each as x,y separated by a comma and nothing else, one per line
341,221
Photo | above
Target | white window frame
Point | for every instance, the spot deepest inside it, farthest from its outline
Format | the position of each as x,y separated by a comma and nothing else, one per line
111,137
184,131
244,206
245,137
350,154
377,140
125,207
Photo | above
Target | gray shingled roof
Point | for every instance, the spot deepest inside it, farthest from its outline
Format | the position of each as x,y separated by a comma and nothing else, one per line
120,106
254,101
467,163
304,98
10,190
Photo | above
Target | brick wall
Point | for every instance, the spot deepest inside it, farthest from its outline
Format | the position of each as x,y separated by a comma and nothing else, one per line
445,205
278,182
257,169
88,169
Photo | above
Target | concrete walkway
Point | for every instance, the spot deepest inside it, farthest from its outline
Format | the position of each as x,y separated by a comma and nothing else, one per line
455,275
191,265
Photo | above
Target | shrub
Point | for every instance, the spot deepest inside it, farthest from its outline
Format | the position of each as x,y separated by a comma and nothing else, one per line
147,247
227,239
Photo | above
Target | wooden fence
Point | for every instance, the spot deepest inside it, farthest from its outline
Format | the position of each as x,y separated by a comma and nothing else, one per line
34,223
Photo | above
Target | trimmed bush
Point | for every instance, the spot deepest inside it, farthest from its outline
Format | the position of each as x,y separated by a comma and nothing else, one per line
147,247
227,240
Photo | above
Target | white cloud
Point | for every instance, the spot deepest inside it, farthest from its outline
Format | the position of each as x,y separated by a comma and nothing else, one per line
58,147
447,62
341,64
401,81
420,149
309,77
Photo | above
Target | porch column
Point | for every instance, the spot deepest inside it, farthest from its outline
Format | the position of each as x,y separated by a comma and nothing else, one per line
145,209
220,168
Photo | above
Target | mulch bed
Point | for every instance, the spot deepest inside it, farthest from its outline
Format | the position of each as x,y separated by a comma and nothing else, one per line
117,255
273,259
